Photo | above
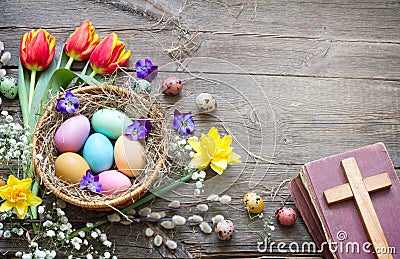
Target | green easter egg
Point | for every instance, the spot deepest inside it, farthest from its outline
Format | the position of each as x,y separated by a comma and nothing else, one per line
8,87
109,122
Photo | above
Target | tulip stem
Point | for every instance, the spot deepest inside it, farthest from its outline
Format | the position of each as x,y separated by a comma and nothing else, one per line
93,74
31,89
69,63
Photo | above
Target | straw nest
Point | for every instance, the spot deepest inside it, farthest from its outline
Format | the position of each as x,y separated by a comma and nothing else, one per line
91,99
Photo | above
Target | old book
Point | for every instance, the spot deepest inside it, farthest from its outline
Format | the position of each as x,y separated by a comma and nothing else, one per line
345,228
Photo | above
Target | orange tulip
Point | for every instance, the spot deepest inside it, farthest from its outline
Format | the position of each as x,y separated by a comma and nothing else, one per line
82,42
37,50
108,55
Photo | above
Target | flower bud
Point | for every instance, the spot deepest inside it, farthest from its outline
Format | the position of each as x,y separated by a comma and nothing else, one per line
37,49
109,55
82,42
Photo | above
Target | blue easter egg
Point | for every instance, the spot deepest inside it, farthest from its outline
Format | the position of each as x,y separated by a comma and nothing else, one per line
98,152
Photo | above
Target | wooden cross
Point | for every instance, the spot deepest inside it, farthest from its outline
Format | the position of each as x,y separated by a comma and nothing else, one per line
358,188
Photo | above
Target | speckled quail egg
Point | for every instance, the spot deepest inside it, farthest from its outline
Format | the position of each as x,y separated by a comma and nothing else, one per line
225,229
253,202
172,86
286,216
206,102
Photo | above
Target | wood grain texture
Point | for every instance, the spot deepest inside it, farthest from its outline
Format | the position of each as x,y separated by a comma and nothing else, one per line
294,82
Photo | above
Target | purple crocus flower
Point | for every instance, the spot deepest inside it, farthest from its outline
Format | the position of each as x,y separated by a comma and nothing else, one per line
90,182
146,70
136,131
183,122
67,104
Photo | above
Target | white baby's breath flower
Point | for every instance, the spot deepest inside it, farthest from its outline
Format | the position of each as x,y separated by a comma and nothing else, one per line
89,256
174,204
195,219
77,246
60,212
225,199
34,245
4,113
196,191
94,234
41,209
158,240
202,207
50,233
64,219
40,254
188,147
202,174
7,234
205,227
114,217
217,218
107,255
168,224
182,142
85,242
89,225
272,228
171,244
52,254
149,232
103,237
82,234
195,176
199,184
178,220
107,243
47,223
18,254
145,211
60,235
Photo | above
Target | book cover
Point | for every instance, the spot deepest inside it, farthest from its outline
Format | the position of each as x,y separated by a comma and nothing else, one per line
340,225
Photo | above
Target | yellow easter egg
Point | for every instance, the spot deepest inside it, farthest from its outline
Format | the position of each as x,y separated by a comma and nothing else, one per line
129,156
70,167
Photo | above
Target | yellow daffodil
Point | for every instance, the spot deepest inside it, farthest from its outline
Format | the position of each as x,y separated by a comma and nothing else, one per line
18,195
214,151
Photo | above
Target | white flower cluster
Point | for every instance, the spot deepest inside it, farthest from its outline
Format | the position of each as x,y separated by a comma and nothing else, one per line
57,238
181,152
15,145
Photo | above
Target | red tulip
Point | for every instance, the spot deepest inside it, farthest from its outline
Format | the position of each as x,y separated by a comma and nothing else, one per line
36,50
82,42
109,55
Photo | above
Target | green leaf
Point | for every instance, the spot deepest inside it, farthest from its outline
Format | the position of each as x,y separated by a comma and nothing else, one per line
23,83
63,59
40,90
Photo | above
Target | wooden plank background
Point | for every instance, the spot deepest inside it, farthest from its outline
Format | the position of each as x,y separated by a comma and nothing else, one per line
295,81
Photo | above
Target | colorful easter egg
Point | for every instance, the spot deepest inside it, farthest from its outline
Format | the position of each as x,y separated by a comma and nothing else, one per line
72,134
70,167
172,86
114,182
109,122
129,156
